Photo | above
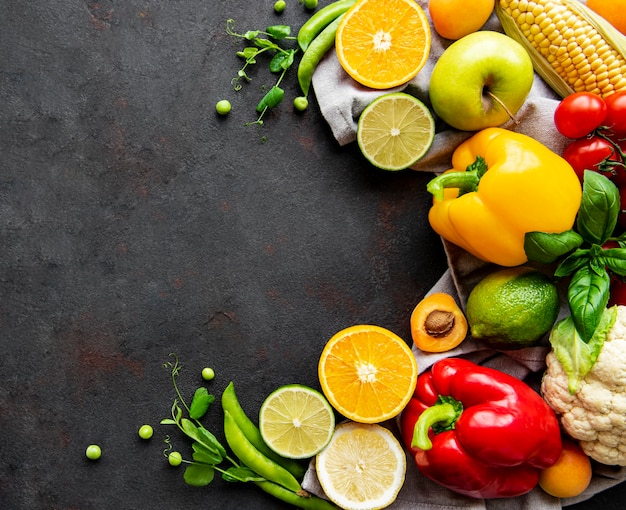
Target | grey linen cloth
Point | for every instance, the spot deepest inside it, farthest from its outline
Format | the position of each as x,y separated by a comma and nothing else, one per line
341,100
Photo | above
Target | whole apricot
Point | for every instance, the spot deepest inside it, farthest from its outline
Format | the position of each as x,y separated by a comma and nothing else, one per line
570,476
453,19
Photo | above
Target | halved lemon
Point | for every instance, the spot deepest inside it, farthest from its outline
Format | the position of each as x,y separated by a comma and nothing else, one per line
296,421
362,468
395,131
367,373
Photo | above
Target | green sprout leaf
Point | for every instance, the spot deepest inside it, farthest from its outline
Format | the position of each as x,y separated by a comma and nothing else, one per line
200,403
278,32
272,98
199,475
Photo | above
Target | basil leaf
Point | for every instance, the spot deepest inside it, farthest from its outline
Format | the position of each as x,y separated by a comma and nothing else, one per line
200,403
599,208
199,475
576,356
279,31
587,295
547,247
274,97
572,263
615,260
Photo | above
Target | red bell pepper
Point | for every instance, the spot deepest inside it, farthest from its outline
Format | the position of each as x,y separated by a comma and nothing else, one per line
479,431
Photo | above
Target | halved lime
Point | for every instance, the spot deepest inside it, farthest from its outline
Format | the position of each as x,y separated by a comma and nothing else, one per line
296,421
395,131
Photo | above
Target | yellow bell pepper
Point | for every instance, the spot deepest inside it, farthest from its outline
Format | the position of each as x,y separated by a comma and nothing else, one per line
504,184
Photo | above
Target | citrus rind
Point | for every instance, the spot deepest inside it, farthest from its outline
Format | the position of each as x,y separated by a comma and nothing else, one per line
296,421
367,373
382,44
362,468
395,131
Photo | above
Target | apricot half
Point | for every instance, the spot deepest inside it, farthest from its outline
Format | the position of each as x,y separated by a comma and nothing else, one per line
438,323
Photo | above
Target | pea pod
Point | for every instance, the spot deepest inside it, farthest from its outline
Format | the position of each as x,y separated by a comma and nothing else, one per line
309,502
254,459
230,403
320,20
314,53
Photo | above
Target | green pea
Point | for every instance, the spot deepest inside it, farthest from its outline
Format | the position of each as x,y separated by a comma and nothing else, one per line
208,373
280,5
145,432
93,452
310,4
300,103
223,107
175,459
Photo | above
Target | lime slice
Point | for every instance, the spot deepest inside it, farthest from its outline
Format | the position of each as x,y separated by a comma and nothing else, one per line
296,421
395,131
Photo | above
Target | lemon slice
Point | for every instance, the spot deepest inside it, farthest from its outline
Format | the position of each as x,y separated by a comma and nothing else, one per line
395,131
362,468
296,421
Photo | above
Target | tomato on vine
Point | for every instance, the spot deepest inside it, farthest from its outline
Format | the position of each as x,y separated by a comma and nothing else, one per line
615,120
579,114
594,153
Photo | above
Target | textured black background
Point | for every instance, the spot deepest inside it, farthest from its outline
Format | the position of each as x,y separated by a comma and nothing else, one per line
135,223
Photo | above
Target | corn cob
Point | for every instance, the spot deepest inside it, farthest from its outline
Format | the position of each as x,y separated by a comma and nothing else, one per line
572,48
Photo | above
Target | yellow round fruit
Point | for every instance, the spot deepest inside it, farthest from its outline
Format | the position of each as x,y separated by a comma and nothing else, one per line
570,476
453,19
614,11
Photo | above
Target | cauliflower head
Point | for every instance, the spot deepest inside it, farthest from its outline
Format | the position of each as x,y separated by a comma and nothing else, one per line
591,402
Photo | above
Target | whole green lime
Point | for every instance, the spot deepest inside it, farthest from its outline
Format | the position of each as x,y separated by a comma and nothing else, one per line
512,308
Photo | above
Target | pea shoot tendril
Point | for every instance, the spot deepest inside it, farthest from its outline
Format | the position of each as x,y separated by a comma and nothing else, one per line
272,41
245,464
208,452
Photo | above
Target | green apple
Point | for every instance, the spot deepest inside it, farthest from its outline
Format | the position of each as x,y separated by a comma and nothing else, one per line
480,81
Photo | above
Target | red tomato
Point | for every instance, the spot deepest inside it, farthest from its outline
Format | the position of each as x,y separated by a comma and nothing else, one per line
617,291
578,114
590,153
615,118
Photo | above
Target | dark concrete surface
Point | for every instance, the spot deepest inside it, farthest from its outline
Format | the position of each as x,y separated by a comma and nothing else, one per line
135,223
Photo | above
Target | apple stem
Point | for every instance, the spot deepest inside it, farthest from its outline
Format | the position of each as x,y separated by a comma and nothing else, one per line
504,107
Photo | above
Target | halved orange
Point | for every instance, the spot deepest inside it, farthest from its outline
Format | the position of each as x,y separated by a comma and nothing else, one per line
383,43
367,373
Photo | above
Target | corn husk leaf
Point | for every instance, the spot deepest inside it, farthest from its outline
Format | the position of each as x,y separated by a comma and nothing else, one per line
542,67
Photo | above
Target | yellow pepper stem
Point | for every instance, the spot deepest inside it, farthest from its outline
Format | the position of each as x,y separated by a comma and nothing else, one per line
466,182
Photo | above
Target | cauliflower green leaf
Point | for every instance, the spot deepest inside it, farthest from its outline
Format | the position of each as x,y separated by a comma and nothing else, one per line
575,355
